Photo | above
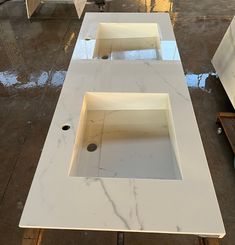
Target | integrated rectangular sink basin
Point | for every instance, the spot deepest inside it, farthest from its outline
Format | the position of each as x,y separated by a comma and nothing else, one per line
125,135
130,41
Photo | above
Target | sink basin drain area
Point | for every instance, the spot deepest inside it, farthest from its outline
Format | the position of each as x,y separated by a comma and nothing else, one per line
126,143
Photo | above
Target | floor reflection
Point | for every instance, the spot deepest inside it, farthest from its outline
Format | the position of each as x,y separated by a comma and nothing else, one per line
199,80
8,79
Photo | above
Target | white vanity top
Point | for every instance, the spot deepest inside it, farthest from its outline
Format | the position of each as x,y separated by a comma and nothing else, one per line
224,62
63,197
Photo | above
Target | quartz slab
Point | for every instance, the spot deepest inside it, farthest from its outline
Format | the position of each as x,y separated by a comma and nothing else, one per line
63,196
224,62
32,5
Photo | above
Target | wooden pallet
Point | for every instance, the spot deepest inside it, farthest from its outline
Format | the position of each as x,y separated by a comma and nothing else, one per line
208,241
34,237
227,123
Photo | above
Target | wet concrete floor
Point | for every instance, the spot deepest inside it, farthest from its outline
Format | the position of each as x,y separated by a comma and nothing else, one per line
34,57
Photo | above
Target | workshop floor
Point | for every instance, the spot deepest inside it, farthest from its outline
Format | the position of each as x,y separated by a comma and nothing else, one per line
34,57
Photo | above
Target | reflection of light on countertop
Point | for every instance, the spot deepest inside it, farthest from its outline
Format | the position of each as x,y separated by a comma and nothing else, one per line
169,50
84,49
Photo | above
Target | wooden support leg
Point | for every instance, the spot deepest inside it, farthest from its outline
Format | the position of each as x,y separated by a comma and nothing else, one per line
208,241
32,237
120,238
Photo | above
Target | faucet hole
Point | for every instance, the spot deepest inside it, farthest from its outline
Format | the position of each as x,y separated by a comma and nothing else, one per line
65,127
91,147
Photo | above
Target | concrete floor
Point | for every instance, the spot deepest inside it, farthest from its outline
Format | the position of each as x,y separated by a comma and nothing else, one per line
34,57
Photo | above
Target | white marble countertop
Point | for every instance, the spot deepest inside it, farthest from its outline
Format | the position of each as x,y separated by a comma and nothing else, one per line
61,200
